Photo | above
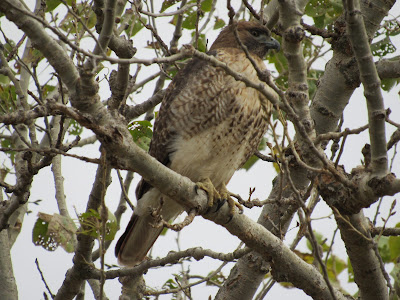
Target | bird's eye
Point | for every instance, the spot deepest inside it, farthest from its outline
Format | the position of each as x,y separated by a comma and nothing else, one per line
255,33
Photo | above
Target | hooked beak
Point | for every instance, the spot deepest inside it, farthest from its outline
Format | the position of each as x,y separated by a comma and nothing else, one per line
272,43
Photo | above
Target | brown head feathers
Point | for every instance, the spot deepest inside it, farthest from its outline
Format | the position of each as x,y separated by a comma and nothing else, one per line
256,37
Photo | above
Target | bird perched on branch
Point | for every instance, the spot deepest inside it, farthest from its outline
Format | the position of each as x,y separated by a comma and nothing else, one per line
209,124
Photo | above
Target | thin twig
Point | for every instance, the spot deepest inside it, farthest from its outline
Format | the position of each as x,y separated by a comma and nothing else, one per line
54,151
124,193
179,226
43,279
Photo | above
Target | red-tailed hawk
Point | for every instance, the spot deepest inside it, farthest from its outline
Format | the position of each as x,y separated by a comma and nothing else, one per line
209,124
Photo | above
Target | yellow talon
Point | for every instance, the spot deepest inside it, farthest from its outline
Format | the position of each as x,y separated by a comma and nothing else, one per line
223,194
207,186
231,202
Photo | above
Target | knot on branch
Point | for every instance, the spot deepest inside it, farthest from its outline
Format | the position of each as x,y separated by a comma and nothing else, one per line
381,185
294,34
308,124
198,253
280,275
265,76
350,200
85,94
116,86
348,69
188,50
40,110
255,261
366,152
337,195
379,114
298,95
122,47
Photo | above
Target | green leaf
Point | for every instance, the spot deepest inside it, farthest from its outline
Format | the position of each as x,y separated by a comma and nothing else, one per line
111,226
388,83
335,266
91,221
4,80
202,42
75,128
321,240
206,5
40,236
51,231
8,47
6,143
394,246
319,21
384,249
350,271
170,284
72,25
8,98
52,4
383,47
132,30
190,21
324,12
219,23
141,133
392,27
317,8
396,276
167,3
279,60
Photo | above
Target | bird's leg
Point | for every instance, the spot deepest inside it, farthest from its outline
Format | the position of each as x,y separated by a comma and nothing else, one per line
221,196
207,186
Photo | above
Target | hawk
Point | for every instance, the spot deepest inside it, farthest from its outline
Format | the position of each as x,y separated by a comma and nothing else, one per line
208,125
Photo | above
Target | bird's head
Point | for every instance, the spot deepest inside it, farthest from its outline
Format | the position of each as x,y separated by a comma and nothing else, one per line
256,37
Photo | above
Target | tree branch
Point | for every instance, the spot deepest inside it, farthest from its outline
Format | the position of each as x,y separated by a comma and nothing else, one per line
370,80
359,246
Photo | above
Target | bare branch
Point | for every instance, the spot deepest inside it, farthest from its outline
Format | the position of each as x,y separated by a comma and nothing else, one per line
370,79
359,246
43,279
132,112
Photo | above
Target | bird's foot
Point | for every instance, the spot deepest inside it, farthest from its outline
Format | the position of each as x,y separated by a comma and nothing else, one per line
207,186
225,194
218,197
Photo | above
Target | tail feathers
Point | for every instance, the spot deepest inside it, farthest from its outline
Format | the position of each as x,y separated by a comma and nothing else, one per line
137,240
140,235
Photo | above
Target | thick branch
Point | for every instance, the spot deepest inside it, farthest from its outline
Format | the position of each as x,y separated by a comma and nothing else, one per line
359,246
8,286
341,74
370,80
